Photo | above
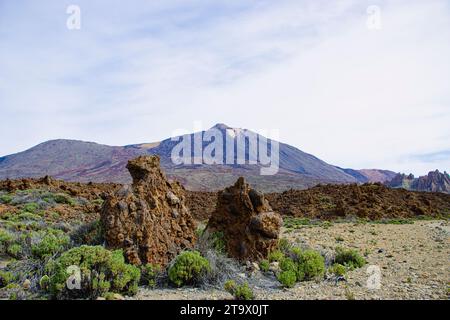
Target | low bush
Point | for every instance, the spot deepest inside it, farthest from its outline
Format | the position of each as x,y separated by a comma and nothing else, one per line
264,265
287,264
14,250
31,207
310,265
5,198
187,267
63,198
337,269
100,271
5,238
349,258
240,292
5,278
149,273
52,242
287,278
276,255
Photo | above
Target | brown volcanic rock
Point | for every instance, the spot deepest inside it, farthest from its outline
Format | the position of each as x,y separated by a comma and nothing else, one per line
148,219
372,201
249,225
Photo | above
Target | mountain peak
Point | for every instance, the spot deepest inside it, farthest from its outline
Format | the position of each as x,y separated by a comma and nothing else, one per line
221,126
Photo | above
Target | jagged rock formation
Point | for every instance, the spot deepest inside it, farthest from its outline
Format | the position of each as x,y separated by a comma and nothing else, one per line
249,226
434,181
148,219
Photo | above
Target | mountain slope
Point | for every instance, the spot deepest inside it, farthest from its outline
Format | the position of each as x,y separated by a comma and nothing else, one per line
86,161
371,175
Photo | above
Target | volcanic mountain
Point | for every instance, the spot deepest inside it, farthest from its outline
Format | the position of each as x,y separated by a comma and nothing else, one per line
73,160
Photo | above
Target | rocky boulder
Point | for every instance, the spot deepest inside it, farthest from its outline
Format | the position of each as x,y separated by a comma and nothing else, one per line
247,222
149,219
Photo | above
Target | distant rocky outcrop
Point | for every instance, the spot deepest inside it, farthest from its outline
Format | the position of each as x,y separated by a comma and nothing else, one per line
434,181
148,219
247,222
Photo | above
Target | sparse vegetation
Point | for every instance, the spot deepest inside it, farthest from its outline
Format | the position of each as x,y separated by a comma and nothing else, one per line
100,270
310,265
52,242
5,198
148,274
337,269
5,278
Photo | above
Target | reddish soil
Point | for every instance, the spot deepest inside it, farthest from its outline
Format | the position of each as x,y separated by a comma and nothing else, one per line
371,201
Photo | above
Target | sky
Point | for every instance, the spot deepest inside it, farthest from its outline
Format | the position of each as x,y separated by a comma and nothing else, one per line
355,94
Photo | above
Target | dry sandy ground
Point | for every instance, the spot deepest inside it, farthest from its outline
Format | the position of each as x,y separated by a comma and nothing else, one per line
413,260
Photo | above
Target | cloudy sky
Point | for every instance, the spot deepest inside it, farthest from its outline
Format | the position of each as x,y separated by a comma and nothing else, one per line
136,71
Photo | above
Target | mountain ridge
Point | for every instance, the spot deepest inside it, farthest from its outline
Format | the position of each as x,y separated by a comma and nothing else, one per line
84,161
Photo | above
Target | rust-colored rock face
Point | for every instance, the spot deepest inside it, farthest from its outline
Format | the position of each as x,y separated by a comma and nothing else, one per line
148,219
250,227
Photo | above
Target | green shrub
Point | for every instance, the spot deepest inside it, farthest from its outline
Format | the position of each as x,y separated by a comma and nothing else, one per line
241,292
101,271
31,207
287,264
187,268
264,265
337,269
287,278
229,286
244,292
5,237
27,216
5,278
6,198
276,255
15,250
296,252
349,258
310,265
52,242
64,199
148,274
